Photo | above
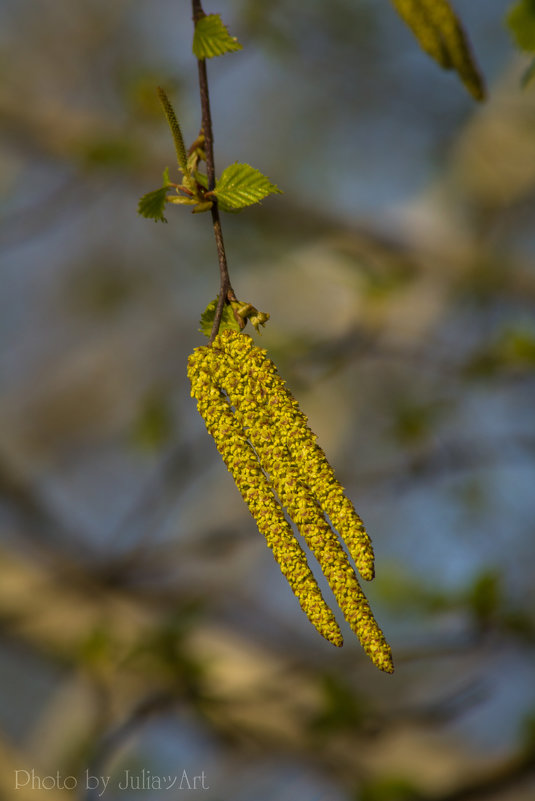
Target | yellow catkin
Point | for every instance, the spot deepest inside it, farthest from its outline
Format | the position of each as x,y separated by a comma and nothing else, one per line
256,491
456,42
415,14
440,33
266,442
248,368
323,543
325,546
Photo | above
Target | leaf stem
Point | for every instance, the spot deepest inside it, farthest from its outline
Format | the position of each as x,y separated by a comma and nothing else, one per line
226,293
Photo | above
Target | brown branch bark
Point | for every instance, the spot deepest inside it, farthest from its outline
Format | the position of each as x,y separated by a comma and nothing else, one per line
226,293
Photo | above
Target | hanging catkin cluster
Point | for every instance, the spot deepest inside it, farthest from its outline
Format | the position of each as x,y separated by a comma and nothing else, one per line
276,463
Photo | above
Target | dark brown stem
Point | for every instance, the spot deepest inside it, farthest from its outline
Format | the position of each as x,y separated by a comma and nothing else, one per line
226,293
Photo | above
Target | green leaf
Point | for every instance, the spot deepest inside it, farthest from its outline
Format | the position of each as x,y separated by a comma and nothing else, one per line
211,38
241,185
228,321
521,22
152,204
441,35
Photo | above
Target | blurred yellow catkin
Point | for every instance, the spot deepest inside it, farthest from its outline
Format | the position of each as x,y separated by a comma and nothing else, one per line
440,33
273,456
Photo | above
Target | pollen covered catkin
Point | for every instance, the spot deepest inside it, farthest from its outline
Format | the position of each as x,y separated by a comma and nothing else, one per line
248,375
256,491
322,541
272,454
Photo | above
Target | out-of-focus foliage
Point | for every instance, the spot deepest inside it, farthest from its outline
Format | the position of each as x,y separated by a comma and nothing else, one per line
154,427
521,21
512,350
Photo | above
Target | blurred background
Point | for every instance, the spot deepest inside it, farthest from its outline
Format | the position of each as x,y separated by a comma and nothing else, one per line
144,624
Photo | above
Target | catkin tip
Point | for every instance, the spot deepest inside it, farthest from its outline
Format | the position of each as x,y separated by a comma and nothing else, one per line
384,662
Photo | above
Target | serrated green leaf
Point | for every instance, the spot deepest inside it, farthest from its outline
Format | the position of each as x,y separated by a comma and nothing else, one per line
228,321
441,35
521,22
241,185
211,38
152,204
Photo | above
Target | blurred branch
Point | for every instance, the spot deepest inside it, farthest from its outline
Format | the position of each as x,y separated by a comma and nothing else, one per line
280,689
501,779
152,705
452,457
178,461
226,293
362,345
48,534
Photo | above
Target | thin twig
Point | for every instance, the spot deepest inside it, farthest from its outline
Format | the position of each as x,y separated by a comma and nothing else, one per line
226,292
